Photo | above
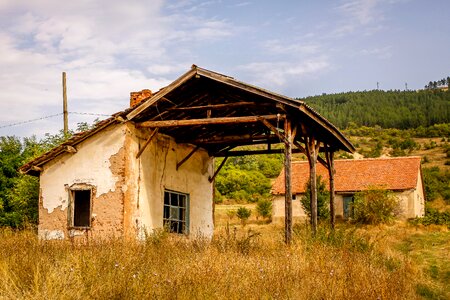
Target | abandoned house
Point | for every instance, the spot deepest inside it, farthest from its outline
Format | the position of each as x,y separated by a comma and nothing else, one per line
152,165
402,175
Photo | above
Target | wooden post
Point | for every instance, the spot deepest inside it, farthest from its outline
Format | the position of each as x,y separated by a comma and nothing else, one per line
312,152
330,162
288,184
65,113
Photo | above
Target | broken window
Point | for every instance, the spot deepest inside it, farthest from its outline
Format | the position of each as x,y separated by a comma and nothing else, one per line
176,212
81,208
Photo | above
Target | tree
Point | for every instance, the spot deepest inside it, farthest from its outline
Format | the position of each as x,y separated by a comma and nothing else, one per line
323,199
375,206
264,208
243,214
18,193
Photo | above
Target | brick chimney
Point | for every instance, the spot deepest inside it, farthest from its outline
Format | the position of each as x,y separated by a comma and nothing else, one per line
137,97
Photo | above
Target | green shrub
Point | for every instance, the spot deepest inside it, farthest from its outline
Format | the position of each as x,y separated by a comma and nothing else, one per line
243,214
323,198
264,208
375,206
433,216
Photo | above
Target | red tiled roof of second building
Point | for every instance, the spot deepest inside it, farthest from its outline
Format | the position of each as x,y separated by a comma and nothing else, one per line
400,173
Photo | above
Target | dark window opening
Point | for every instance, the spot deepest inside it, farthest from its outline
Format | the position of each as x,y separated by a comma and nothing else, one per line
176,212
82,208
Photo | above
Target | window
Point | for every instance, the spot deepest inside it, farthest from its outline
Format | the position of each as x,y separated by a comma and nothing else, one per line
176,212
348,206
81,208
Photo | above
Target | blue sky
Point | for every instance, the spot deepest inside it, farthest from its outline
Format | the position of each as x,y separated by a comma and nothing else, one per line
297,48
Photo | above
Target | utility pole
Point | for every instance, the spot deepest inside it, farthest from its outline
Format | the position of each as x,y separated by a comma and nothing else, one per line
406,86
66,117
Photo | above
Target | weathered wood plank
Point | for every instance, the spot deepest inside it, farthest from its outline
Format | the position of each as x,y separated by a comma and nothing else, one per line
206,121
252,152
147,142
331,172
187,157
274,130
288,183
233,138
211,179
213,106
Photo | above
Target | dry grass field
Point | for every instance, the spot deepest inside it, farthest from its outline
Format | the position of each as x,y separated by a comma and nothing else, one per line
251,262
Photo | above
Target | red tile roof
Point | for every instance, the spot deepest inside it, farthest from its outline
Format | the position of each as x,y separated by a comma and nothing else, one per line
399,173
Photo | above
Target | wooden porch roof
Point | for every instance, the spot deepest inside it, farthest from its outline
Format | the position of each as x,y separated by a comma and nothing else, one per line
218,113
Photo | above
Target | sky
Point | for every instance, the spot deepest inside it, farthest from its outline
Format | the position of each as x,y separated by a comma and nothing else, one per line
296,48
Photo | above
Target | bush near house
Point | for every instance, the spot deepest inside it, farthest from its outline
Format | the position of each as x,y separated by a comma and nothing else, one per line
323,199
433,217
375,206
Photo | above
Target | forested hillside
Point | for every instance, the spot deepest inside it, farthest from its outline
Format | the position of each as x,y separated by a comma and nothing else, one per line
388,109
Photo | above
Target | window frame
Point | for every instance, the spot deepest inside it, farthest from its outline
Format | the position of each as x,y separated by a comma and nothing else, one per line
169,207
71,213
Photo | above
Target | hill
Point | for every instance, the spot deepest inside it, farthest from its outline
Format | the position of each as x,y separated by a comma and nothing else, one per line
387,109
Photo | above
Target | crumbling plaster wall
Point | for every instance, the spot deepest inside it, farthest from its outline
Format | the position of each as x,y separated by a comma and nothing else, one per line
98,162
156,169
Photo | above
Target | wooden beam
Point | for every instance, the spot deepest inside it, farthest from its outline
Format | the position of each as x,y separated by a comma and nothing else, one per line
147,142
231,139
288,183
210,121
213,106
37,169
312,147
274,130
70,149
303,150
331,172
187,157
252,152
211,179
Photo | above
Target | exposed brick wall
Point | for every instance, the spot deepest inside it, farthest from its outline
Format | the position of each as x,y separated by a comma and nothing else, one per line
136,97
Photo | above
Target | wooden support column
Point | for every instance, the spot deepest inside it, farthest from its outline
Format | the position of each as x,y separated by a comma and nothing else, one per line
330,162
312,149
288,182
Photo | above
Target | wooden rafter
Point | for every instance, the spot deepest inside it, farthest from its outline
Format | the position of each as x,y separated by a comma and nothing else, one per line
213,106
147,142
187,157
233,138
211,179
206,121
275,130
252,152
303,150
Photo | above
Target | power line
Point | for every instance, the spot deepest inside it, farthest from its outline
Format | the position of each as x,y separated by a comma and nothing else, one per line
88,114
52,116
32,120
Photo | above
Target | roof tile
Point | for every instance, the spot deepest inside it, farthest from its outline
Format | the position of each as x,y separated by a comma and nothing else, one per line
399,173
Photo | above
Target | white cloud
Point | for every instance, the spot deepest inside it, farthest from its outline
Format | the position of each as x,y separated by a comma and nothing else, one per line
108,49
279,74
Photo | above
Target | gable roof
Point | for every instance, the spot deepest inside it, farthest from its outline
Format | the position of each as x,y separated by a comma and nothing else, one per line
202,94
399,173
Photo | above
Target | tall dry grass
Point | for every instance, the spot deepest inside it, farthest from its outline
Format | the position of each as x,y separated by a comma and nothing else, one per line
237,264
